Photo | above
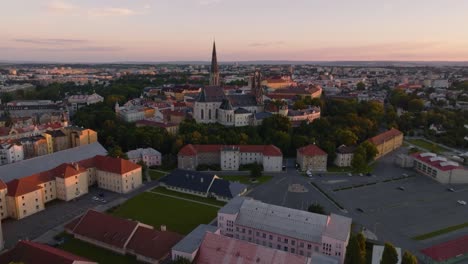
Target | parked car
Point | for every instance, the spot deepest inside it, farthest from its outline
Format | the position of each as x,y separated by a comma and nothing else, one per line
450,189
284,168
369,174
95,198
401,188
405,175
461,202
309,173
360,174
360,210
350,174
101,194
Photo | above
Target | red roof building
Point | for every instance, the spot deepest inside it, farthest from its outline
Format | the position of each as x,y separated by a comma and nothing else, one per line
123,236
29,252
230,157
312,158
387,141
439,168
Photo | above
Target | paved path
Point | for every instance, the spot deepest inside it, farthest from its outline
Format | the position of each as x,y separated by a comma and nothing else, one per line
185,199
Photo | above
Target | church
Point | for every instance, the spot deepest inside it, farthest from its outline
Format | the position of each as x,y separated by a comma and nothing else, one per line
214,106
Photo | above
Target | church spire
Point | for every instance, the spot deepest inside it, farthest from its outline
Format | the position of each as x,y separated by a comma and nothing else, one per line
214,73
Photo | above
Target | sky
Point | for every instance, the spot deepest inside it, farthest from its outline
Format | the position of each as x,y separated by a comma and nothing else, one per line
244,30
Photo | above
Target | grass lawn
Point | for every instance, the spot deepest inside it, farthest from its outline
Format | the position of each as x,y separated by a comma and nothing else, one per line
245,179
189,196
440,231
156,210
156,175
427,145
100,255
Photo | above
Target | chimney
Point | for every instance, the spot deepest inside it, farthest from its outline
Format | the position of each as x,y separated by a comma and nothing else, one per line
163,227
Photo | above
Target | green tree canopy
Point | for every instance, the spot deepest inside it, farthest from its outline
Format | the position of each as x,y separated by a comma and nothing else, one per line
409,258
316,208
390,255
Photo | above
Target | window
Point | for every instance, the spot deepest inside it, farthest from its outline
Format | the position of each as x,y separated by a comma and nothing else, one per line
24,204
293,242
264,235
301,244
309,246
24,211
285,248
293,250
279,239
271,237
286,240
37,207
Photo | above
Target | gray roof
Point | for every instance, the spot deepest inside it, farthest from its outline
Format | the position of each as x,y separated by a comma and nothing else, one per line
338,227
233,206
262,115
241,111
211,94
242,100
282,220
225,105
43,163
193,240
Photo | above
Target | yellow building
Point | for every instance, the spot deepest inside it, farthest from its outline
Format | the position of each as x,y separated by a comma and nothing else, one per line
387,142
80,136
26,196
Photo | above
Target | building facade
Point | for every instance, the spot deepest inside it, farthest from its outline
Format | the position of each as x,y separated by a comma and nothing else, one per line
387,142
28,195
149,156
230,157
10,153
439,168
344,156
312,158
291,230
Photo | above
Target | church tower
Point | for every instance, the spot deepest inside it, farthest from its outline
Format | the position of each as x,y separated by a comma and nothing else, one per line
257,88
214,73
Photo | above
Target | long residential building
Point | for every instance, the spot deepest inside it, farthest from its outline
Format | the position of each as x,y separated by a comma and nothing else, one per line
28,195
230,157
387,142
291,230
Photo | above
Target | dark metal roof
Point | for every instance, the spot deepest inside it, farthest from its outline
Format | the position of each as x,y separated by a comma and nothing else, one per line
242,100
226,105
211,94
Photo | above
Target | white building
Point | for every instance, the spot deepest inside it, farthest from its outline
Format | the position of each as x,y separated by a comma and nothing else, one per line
75,102
149,156
344,156
230,157
439,168
10,153
291,230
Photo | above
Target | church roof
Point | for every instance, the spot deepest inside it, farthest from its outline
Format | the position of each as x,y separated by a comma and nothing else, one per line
226,105
242,100
241,111
211,94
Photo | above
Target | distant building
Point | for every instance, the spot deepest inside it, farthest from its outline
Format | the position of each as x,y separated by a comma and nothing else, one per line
31,252
80,136
189,246
312,158
387,142
28,195
230,157
439,168
278,82
202,184
291,230
149,156
171,128
10,153
122,236
57,139
76,102
344,156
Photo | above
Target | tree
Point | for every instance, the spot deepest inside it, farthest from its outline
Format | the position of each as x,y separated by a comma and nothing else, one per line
361,239
255,170
360,86
415,105
390,255
370,149
316,208
353,252
116,152
409,258
346,137
358,163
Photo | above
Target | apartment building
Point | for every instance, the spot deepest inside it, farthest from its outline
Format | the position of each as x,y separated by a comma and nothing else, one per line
312,158
149,156
28,195
79,136
230,157
291,230
10,153
387,142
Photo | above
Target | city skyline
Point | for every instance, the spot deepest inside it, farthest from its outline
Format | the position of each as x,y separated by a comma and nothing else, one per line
163,30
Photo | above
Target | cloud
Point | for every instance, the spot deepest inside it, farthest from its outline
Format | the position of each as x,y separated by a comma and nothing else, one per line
50,41
61,7
112,11
266,44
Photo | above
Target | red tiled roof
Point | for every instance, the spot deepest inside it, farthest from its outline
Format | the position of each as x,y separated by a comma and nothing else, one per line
2,185
448,249
152,243
67,170
221,249
268,150
311,150
105,228
114,165
385,136
31,252
23,186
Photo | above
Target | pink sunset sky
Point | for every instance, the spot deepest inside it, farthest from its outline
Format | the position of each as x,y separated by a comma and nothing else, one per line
172,30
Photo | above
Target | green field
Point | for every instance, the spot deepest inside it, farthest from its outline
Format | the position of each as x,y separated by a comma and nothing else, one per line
245,179
441,231
178,215
156,175
427,145
100,255
189,196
